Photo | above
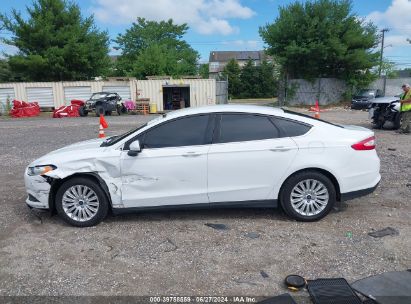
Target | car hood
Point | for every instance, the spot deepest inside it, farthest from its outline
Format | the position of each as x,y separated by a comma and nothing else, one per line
80,146
76,149
385,99
363,97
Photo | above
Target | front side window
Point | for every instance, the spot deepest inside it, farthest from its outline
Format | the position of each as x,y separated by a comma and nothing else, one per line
246,127
187,131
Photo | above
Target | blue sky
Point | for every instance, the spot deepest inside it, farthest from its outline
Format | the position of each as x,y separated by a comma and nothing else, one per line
233,24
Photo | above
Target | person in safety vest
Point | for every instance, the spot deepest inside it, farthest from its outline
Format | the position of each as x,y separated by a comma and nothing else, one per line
406,109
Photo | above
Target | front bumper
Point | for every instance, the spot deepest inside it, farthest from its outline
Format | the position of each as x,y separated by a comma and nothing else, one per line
360,105
89,107
38,190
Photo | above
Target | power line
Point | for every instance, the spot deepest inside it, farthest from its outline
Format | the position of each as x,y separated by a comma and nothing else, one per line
382,49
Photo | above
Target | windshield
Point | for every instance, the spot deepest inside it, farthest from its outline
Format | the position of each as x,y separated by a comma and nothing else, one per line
366,93
96,96
117,138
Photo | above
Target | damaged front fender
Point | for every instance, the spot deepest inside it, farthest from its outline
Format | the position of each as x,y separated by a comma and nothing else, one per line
103,164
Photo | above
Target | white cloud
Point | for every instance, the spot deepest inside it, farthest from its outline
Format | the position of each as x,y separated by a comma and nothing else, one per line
247,44
204,16
397,18
6,49
397,40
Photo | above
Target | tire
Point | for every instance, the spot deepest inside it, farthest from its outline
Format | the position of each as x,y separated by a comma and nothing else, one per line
397,121
377,126
108,113
121,109
78,212
318,207
99,110
82,112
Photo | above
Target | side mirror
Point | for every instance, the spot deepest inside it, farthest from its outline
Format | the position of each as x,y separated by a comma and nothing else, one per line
134,148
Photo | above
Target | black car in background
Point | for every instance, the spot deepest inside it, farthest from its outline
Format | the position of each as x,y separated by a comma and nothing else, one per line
363,99
103,103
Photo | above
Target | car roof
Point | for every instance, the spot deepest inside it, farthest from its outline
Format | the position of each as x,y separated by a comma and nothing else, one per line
226,108
253,109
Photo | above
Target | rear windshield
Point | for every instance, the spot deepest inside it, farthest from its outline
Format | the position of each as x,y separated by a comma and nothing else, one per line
310,117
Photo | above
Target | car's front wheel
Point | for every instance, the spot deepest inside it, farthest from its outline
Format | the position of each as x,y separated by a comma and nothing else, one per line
308,196
82,111
81,202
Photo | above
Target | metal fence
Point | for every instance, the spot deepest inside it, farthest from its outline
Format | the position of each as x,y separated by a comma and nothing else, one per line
330,90
390,86
304,92
221,92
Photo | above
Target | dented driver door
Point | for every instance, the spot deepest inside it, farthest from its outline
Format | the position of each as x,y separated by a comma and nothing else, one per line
171,169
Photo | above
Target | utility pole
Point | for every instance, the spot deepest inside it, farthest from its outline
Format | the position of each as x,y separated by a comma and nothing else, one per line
382,50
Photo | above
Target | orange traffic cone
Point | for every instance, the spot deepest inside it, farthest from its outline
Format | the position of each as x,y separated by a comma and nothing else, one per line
316,109
103,122
103,125
101,132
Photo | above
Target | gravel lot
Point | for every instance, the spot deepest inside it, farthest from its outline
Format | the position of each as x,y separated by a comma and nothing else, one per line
174,253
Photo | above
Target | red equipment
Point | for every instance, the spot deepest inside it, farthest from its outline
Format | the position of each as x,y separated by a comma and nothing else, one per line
24,109
69,111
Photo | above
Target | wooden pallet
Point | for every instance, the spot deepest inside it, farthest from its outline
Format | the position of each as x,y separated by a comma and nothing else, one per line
143,108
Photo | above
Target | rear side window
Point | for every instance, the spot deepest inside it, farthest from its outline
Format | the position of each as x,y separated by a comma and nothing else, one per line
187,131
246,127
291,128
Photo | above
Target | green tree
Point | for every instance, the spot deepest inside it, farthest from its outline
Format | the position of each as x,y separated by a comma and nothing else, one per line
232,73
250,77
5,72
55,43
323,38
267,79
155,48
203,70
388,69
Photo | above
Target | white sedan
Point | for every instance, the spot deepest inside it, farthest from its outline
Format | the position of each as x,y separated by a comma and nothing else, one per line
215,156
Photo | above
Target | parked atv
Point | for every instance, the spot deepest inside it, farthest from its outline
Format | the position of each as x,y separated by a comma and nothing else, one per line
103,103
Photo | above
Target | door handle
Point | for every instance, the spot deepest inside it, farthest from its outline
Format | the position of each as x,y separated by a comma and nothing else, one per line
191,154
280,149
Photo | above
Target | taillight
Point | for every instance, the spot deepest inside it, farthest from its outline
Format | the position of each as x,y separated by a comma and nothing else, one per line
366,144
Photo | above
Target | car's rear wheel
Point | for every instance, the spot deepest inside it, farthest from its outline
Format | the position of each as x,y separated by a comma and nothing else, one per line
81,202
308,196
121,109
100,110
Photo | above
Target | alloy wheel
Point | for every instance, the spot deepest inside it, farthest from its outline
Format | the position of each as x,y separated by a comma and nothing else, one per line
309,197
80,203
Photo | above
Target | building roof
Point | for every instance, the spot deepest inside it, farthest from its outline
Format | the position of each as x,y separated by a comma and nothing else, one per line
224,56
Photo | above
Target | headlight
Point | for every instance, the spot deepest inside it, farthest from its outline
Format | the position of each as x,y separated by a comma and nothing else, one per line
40,170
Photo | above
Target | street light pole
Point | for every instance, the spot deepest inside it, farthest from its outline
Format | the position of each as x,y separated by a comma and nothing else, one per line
382,50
